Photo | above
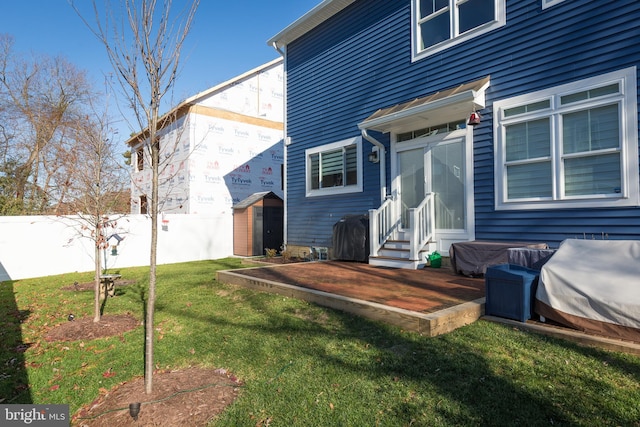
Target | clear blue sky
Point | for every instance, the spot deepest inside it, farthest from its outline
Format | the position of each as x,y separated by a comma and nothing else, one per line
228,37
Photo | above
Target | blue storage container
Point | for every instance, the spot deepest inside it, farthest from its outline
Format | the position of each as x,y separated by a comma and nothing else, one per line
510,291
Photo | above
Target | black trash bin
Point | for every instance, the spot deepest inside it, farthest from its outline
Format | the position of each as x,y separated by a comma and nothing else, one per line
351,238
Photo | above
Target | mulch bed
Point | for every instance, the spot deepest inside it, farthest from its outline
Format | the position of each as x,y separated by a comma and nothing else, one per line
185,397
86,329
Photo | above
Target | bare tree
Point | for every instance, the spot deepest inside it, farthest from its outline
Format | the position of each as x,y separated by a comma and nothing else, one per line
46,97
144,40
94,189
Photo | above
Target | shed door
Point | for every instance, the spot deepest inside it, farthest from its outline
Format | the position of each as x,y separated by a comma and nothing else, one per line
273,236
257,227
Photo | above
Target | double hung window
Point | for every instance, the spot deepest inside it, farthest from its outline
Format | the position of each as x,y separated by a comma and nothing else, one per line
570,146
334,168
439,24
549,3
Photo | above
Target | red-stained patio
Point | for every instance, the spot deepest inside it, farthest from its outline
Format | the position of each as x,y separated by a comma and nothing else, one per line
431,301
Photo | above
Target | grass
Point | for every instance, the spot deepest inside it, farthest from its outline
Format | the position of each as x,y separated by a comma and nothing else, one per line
306,365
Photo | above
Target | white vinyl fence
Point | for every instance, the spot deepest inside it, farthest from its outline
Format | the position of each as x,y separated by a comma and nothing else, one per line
36,246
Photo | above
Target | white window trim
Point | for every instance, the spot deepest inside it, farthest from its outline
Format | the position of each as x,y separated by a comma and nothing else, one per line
333,190
417,54
630,192
549,3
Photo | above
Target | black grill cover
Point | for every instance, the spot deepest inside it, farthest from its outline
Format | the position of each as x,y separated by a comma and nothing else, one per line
351,238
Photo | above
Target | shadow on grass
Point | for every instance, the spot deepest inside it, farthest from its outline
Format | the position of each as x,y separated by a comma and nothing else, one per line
466,382
14,383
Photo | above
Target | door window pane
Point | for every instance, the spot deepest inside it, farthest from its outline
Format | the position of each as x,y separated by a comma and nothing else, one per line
412,192
447,182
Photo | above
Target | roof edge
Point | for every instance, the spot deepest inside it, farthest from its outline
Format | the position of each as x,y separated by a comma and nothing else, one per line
316,16
183,107
231,81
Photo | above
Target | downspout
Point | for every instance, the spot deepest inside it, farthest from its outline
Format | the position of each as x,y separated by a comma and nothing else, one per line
284,142
383,168
275,46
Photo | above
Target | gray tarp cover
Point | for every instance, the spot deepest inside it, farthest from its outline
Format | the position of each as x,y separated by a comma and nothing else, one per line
593,280
473,258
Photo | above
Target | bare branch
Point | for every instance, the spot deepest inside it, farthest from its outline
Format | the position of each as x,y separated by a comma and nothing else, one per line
145,55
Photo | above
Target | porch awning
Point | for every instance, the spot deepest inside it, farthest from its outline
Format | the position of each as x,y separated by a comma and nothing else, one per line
441,107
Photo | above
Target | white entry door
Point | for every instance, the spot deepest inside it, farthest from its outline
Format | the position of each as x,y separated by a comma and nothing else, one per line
439,166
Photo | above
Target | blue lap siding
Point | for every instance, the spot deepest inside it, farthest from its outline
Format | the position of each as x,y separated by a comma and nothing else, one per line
359,60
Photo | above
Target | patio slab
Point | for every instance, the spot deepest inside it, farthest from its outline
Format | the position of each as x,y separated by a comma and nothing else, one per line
429,301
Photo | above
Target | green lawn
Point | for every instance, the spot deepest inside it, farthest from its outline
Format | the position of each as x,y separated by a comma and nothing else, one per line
305,365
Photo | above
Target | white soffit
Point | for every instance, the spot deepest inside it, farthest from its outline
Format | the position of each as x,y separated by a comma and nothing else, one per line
308,22
438,108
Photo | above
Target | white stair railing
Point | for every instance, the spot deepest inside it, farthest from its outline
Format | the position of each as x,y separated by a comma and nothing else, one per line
445,214
382,223
421,225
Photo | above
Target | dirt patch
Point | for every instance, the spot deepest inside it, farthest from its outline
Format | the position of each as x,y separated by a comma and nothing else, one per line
86,329
272,260
185,397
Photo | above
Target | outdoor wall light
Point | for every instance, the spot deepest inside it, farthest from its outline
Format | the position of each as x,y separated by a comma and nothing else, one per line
373,155
474,119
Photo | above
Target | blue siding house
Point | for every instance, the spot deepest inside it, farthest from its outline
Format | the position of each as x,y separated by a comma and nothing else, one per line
457,120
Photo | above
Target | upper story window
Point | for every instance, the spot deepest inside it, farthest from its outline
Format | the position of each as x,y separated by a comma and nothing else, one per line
574,145
334,168
440,24
549,3
140,158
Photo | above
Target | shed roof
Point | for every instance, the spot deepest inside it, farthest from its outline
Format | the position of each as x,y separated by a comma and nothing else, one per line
254,198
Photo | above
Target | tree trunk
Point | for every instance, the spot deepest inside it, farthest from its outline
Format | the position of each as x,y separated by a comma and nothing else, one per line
155,161
152,59
96,280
